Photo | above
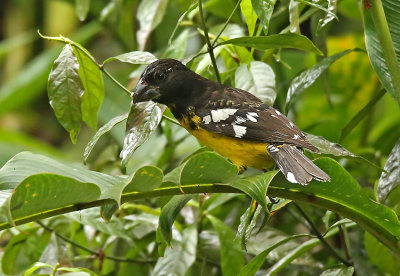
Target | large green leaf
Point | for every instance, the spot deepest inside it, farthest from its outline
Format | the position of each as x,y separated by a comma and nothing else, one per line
264,11
383,45
207,167
180,256
92,80
258,79
65,90
149,14
249,15
145,179
232,257
256,186
143,119
275,41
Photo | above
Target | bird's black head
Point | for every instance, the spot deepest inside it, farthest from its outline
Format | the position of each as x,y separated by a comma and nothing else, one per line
164,81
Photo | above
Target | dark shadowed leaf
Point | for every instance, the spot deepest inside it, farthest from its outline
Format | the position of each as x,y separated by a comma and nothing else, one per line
145,179
390,78
255,264
169,213
258,79
256,187
309,76
65,90
390,179
82,8
275,41
192,7
232,257
143,119
135,57
361,115
149,14
180,256
249,15
207,167
381,256
92,80
264,11
103,130
45,192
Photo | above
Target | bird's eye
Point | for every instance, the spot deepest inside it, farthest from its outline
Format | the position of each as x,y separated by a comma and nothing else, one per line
159,76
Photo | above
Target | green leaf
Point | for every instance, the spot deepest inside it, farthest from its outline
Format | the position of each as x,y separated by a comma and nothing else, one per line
82,8
256,187
207,167
390,178
329,16
264,11
255,264
149,14
258,79
92,80
344,196
249,14
294,14
65,90
135,57
191,8
45,192
306,78
169,213
180,256
361,115
143,119
275,41
103,130
232,257
381,256
36,266
383,45
247,223
22,251
339,271
145,179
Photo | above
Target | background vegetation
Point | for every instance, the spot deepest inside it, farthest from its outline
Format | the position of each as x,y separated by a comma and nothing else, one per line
149,199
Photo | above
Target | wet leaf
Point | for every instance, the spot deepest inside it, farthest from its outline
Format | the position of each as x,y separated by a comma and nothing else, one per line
149,14
294,14
309,76
264,9
103,130
390,179
329,16
232,257
339,271
258,79
92,80
135,57
249,15
82,8
275,41
65,90
143,119
247,223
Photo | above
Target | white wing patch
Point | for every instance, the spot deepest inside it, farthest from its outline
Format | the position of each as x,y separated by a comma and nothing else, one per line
222,114
251,118
207,119
239,120
290,177
239,131
296,136
272,148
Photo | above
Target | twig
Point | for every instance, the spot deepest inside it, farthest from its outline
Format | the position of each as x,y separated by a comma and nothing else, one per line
209,46
113,258
321,238
226,23
343,241
115,81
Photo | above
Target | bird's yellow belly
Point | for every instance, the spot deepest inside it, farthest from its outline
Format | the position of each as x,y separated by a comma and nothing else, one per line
242,153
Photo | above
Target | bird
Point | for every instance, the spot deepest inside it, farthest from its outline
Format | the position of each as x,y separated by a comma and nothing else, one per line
231,121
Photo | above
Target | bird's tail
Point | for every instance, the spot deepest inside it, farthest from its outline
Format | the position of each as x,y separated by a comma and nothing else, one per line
296,167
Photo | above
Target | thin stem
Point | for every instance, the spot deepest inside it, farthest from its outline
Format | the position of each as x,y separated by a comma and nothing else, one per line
115,81
226,23
209,46
171,120
113,258
342,236
320,237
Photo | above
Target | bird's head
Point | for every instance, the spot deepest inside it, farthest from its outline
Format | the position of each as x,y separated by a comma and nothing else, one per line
164,81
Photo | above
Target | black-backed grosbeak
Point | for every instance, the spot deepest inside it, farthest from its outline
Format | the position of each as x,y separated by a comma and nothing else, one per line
229,120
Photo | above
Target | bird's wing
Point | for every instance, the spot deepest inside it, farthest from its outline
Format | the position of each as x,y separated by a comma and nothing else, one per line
252,121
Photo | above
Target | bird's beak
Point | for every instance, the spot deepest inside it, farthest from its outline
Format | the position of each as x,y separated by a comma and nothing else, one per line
145,92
